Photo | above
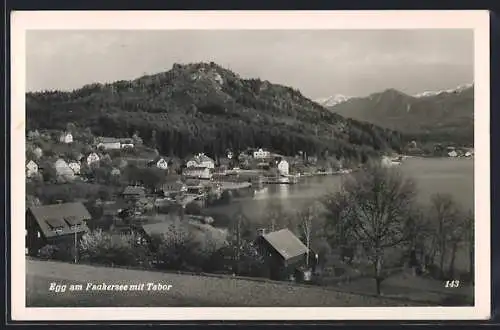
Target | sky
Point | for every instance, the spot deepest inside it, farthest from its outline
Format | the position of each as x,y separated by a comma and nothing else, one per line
319,63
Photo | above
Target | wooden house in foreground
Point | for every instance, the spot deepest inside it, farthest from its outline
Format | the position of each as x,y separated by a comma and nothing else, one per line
54,224
284,254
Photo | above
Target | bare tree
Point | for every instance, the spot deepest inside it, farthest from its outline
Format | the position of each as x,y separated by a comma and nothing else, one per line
377,205
306,218
469,236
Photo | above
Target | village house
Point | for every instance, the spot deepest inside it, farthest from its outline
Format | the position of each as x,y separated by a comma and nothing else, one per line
133,192
261,154
31,169
284,254
109,143
63,171
160,162
93,158
283,168
452,154
66,137
55,224
198,173
127,144
75,167
111,213
201,160
313,160
173,188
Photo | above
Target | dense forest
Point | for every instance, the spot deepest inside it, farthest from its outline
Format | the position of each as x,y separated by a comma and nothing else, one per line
446,117
204,107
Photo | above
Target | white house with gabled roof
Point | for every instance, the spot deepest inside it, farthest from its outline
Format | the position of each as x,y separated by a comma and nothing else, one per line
92,158
31,169
66,137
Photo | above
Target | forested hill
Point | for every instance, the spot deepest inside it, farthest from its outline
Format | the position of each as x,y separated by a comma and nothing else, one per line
204,107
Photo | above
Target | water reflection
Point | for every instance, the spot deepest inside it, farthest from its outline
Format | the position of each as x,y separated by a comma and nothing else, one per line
284,190
261,193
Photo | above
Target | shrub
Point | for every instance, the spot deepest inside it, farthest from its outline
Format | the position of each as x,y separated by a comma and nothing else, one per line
115,249
61,251
175,248
47,252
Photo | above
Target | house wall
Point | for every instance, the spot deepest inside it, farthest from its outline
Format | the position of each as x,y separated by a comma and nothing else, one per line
67,138
191,163
162,164
31,169
207,164
110,146
33,243
127,145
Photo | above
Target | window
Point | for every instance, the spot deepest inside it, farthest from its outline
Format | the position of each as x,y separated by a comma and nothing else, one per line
56,225
73,222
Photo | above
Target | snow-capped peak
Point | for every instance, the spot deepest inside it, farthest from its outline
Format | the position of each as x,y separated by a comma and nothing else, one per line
449,91
332,100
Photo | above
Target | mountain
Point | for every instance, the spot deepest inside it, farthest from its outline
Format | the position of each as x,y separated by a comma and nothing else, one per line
457,89
332,100
205,107
444,116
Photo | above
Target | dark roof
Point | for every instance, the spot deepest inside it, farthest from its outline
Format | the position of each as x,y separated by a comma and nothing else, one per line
114,208
173,186
134,190
285,243
157,158
195,168
61,217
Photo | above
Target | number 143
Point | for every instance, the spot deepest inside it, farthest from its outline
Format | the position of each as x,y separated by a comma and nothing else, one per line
452,284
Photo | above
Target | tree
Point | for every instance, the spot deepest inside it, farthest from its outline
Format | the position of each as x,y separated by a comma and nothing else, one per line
240,231
446,217
469,236
376,203
153,139
337,227
275,217
137,139
152,177
308,220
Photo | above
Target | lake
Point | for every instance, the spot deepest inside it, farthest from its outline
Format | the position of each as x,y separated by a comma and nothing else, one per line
432,175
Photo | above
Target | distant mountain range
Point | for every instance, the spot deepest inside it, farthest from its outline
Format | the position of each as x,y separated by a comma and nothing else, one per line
446,115
205,107
332,100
